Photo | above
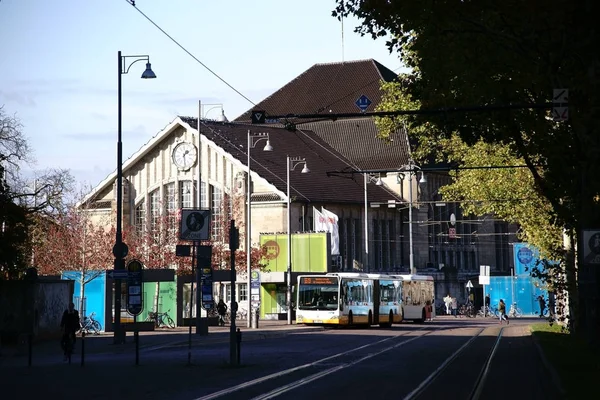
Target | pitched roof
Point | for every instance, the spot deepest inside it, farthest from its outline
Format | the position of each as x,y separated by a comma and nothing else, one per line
327,88
318,186
334,88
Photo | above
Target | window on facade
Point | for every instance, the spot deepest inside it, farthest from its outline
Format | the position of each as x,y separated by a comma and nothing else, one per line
171,205
154,210
186,194
140,218
243,291
204,196
217,213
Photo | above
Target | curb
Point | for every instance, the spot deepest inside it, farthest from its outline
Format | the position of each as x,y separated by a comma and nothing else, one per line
551,370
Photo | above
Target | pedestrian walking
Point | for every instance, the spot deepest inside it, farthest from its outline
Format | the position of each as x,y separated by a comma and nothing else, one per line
502,312
70,324
222,310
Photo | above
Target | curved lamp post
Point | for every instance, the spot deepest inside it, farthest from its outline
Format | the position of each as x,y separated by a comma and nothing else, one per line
411,168
120,249
291,164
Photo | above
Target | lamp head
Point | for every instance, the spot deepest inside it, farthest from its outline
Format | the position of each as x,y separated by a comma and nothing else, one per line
305,170
423,178
148,73
222,117
379,182
268,146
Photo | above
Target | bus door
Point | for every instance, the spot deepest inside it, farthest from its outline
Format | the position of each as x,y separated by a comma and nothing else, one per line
376,301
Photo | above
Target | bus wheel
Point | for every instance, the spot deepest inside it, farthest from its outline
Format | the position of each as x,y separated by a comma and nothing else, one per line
370,319
350,322
389,323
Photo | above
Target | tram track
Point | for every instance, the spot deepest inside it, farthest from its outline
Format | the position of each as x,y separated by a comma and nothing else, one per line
331,363
468,354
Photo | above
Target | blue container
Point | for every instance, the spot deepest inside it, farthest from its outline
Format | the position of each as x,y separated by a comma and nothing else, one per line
524,290
95,293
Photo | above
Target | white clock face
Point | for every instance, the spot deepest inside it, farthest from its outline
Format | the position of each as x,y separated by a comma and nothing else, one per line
184,155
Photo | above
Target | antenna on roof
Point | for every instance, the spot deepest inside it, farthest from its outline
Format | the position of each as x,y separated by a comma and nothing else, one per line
342,21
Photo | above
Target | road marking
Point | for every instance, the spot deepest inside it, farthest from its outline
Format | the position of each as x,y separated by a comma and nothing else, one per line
321,374
289,371
443,366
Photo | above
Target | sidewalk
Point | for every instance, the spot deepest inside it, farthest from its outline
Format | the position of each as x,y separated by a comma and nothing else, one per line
160,338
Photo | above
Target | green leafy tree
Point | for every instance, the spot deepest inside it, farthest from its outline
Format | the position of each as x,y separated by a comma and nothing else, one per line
510,53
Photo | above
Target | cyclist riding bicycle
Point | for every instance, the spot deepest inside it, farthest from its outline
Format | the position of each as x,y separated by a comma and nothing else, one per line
70,324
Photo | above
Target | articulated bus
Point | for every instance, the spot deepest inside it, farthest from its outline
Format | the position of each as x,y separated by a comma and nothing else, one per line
347,298
417,292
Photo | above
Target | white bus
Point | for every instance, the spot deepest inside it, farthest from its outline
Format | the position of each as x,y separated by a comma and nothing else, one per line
347,298
417,292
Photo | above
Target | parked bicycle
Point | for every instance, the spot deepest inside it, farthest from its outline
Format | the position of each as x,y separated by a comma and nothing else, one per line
161,320
468,310
89,324
515,312
489,312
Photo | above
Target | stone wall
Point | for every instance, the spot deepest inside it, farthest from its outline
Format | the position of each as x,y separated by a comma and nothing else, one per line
32,307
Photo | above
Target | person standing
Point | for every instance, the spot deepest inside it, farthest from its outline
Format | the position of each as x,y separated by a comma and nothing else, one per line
448,303
542,305
454,307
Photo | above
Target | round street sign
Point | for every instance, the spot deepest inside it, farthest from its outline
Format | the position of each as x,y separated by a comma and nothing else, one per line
124,250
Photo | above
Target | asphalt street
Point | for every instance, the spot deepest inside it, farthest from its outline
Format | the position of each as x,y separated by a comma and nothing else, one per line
442,359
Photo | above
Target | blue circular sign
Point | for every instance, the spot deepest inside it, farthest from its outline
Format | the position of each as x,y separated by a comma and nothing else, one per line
525,255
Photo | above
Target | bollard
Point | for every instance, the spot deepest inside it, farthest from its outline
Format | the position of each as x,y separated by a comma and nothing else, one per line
30,347
82,348
136,335
254,314
238,340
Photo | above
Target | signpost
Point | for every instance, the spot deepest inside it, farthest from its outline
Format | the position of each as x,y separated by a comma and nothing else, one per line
206,283
484,280
117,274
194,225
135,298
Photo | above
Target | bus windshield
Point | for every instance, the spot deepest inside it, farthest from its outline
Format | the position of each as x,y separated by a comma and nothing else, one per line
318,293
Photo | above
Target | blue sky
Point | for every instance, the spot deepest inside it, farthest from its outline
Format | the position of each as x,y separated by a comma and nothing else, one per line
59,68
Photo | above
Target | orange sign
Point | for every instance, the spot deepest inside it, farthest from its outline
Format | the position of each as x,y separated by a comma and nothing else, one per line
318,280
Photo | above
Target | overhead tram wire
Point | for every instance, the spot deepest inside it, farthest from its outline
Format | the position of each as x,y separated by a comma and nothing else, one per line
132,2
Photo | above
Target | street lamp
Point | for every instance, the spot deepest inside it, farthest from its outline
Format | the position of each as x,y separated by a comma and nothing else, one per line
368,179
120,249
220,118
410,169
291,164
253,139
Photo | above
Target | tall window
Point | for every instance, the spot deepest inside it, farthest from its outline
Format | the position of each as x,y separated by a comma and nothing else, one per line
204,196
186,195
243,291
217,213
140,218
154,209
171,205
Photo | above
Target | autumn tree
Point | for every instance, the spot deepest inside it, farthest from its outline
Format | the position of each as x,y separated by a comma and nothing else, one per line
510,54
75,248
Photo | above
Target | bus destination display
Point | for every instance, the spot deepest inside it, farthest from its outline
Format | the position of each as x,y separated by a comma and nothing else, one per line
319,280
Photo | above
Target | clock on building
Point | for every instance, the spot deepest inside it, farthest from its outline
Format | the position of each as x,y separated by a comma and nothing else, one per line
184,155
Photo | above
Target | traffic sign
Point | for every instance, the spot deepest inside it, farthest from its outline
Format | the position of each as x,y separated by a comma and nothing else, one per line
194,225
117,273
135,298
560,106
469,285
258,117
363,102
255,289
206,287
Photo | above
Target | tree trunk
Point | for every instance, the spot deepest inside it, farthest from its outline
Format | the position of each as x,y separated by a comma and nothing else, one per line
82,295
156,296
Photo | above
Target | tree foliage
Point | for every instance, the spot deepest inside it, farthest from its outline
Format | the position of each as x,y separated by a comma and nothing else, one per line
512,54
